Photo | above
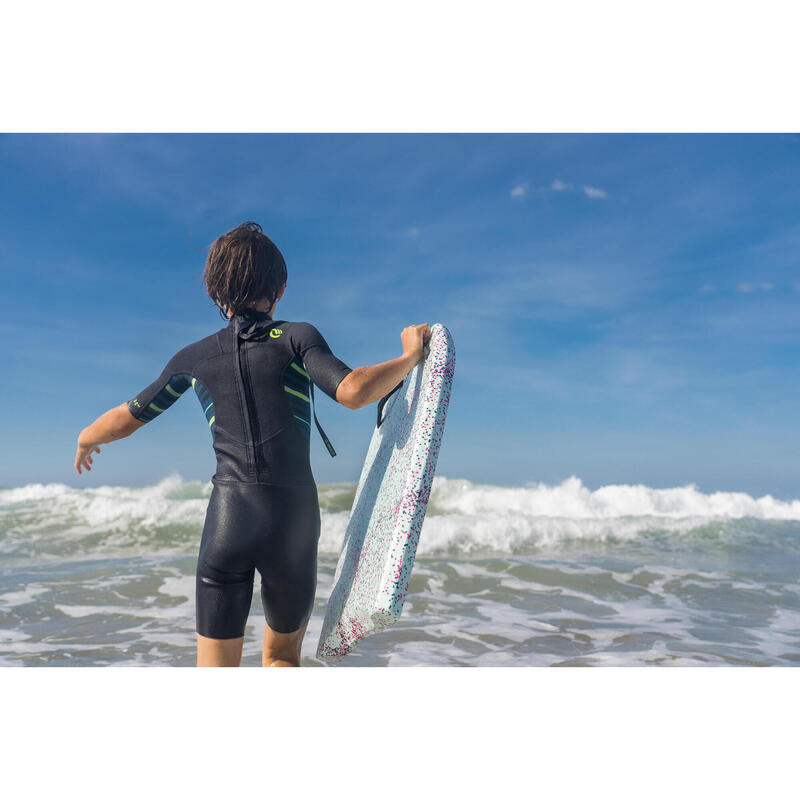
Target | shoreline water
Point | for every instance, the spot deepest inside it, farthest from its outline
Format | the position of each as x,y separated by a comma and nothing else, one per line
509,576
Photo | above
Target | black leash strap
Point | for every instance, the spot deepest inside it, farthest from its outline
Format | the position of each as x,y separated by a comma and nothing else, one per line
319,427
382,403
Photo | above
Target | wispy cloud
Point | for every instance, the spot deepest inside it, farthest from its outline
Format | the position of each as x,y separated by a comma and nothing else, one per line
521,189
412,233
594,192
590,191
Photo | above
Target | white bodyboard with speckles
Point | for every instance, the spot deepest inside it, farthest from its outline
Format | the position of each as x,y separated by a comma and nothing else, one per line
380,543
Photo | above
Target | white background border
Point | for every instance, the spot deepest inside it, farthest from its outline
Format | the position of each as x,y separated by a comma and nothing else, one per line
433,66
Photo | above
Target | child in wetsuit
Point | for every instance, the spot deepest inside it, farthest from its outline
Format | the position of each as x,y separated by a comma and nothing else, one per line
255,382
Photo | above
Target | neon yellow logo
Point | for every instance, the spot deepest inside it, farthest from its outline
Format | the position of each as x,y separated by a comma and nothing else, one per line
275,333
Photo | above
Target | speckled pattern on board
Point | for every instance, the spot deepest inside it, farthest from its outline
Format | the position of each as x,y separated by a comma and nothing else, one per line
380,543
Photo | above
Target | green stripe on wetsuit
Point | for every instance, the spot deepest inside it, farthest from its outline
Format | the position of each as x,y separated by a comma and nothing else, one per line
300,390
172,390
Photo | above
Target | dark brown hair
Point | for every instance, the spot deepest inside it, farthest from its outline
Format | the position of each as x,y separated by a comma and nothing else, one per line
243,266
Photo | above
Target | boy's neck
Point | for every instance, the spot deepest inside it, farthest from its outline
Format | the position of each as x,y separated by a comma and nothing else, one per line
261,306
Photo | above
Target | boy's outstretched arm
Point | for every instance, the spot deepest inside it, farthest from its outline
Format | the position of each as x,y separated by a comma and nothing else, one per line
117,423
365,385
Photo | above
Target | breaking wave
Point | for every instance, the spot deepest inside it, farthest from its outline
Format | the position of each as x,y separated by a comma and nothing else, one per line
464,518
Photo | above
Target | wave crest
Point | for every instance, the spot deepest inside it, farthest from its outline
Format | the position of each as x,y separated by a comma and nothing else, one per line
572,500
464,518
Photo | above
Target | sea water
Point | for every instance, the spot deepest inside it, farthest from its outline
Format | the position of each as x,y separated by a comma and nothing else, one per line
505,576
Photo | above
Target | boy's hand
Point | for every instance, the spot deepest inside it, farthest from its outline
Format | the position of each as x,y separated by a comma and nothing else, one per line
413,338
83,457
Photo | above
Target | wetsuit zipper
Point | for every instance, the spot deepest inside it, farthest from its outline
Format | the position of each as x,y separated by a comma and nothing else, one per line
250,402
245,395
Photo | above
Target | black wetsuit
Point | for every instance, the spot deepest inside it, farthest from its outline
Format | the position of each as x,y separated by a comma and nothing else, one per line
254,382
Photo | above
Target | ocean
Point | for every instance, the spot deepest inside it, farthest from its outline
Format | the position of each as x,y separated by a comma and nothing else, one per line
505,576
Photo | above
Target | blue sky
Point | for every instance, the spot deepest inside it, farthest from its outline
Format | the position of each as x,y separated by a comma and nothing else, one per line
624,307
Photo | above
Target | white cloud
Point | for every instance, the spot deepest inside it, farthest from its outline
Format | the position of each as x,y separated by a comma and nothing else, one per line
520,190
594,193
744,288
707,288
766,286
590,191
412,233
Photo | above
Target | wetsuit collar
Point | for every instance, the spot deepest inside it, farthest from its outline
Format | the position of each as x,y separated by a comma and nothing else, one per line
251,324
252,315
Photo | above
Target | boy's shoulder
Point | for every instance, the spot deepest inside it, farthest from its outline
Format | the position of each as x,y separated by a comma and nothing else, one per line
297,326
301,336
296,329
203,348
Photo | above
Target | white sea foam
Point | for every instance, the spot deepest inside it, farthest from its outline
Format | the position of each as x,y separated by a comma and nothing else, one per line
627,606
572,500
466,517
22,597
463,517
171,500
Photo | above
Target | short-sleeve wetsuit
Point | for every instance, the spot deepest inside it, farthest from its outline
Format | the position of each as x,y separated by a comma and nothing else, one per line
254,380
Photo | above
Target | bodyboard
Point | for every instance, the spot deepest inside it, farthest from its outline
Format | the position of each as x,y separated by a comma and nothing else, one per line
380,543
